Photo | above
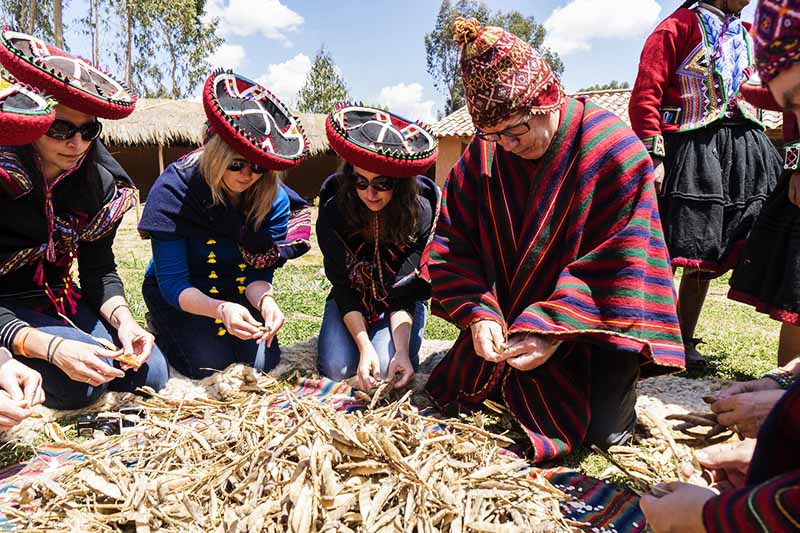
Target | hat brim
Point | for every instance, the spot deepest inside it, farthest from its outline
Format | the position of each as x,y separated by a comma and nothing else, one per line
25,115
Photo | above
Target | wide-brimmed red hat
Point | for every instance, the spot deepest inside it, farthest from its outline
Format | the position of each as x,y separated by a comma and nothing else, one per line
70,80
25,115
380,141
253,121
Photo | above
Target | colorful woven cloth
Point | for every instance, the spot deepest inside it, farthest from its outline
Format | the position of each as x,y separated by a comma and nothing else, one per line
599,505
570,247
502,74
777,36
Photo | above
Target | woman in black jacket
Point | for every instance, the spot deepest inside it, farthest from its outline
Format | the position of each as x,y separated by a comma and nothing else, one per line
375,218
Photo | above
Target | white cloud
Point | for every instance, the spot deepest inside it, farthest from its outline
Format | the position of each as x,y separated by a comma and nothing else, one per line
285,79
270,18
228,56
406,100
572,28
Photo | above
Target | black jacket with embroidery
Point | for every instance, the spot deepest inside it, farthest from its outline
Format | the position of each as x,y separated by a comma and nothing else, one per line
88,205
350,264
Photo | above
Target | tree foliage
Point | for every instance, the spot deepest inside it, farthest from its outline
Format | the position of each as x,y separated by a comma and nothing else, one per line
31,16
614,84
443,55
324,86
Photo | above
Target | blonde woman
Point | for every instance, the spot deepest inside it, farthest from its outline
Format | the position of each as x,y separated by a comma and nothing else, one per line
218,221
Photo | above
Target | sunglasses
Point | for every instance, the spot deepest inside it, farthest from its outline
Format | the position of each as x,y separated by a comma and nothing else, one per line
237,165
512,132
378,183
62,130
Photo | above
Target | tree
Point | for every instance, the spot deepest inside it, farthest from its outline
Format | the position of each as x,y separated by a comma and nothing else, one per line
324,86
443,55
31,16
606,86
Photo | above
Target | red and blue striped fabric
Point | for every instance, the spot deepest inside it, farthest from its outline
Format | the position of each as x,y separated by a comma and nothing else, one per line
568,246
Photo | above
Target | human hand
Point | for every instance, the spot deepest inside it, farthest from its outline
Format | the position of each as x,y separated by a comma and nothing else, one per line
238,321
794,189
21,383
81,362
400,364
273,319
658,174
369,369
488,340
527,351
725,465
741,387
12,412
745,412
679,511
136,342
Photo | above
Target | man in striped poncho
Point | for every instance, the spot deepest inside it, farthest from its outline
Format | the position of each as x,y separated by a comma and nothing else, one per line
549,255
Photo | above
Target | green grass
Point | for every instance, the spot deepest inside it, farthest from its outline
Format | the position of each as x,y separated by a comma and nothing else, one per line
741,343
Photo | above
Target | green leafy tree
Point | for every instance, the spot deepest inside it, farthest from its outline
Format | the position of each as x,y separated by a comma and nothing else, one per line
606,86
443,55
324,86
31,16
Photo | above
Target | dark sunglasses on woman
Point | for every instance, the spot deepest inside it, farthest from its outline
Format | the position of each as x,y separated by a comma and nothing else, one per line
378,183
237,165
62,130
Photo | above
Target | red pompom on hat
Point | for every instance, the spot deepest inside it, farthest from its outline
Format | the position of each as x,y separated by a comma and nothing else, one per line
380,141
70,80
253,121
25,115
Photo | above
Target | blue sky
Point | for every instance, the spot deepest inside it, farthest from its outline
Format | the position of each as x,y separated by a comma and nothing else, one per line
378,44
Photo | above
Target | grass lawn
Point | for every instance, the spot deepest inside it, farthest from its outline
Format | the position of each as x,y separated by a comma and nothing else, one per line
741,343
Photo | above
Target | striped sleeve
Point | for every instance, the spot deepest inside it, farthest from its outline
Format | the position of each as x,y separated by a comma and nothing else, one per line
10,325
770,506
461,292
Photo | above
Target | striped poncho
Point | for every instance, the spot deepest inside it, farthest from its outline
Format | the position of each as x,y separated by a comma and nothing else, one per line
568,246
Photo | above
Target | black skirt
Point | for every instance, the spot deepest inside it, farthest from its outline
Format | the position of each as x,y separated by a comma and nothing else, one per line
768,275
716,180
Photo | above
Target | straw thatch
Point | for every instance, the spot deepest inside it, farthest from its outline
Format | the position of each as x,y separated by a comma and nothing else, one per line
169,122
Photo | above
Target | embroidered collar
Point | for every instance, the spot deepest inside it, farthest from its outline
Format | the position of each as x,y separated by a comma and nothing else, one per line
715,10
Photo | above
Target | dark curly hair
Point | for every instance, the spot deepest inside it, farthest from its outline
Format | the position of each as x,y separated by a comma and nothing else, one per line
399,220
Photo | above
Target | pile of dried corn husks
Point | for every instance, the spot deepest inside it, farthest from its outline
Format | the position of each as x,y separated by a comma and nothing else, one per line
264,460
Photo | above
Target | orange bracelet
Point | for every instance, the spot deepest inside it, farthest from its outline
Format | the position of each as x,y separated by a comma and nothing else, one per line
20,348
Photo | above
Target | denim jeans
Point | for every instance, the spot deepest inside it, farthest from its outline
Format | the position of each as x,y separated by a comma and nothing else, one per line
192,345
337,351
61,391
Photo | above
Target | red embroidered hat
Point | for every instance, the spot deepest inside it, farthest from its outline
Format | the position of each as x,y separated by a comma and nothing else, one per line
777,36
70,80
25,115
253,121
380,141
502,74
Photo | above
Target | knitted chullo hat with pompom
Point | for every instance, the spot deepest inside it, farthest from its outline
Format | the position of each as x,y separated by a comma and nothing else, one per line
502,74
777,36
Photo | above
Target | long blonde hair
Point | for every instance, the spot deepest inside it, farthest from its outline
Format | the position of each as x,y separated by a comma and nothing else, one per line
256,201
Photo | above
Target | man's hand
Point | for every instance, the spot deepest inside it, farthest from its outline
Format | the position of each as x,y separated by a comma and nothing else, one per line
527,351
725,465
488,340
658,174
742,387
680,511
745,412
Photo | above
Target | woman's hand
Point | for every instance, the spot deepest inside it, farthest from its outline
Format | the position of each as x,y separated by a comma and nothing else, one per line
400,364
745,412
369,369
136,341
81,362
21,383
526,351
273,319
680,511
238,321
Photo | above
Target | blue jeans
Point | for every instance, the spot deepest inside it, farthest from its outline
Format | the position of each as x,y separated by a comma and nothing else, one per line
192,345
61,391
337,351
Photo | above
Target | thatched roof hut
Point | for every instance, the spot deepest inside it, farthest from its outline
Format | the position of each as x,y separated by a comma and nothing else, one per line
160,131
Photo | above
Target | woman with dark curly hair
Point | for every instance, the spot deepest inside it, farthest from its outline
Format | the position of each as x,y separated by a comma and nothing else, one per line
375,218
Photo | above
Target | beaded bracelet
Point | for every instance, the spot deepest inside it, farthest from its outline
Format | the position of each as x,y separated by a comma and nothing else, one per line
782,377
